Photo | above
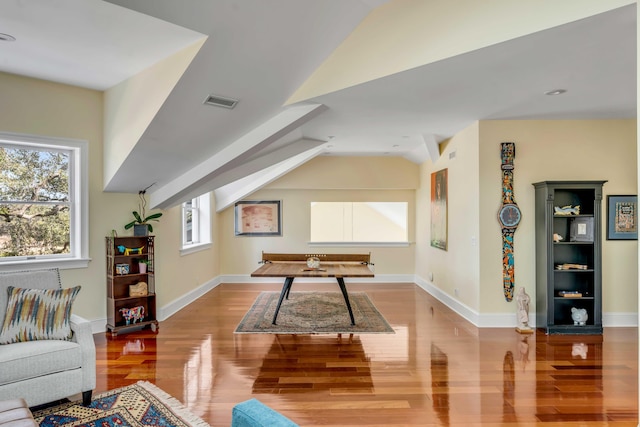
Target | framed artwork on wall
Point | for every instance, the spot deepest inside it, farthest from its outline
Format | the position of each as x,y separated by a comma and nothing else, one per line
622,217
258,218
439,197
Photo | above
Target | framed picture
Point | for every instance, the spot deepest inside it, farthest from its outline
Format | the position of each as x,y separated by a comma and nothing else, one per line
258,218
622,217
439,209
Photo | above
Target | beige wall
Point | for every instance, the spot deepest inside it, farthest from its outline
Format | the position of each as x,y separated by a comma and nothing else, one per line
545,150
556,150
457,267
296,190
177,274
36,107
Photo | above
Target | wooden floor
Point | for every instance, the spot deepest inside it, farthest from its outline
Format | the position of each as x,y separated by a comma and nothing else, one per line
436,370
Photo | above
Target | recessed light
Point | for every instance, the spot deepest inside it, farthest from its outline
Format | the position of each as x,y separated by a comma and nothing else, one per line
396,145
7,37
555,92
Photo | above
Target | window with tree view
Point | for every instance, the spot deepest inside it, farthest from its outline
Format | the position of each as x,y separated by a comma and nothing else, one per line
36,201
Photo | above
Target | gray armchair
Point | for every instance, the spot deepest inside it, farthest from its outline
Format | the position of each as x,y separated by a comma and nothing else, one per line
46,370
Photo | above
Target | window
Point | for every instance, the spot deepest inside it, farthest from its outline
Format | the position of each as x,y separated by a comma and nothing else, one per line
196,224
359,222
43,202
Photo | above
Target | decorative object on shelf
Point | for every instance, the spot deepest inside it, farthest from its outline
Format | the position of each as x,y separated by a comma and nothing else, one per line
140,289
439,209
579,316
258,218
130,251
566,210
122,269
570,294
581,229
133,314
142,266
140,224
509,217
313,262
557,238
567,266
522,314
622,217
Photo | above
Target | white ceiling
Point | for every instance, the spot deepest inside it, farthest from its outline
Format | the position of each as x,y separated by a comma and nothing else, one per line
260,52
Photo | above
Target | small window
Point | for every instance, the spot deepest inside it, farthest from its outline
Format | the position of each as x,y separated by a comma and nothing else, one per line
43,201
359,222
196,224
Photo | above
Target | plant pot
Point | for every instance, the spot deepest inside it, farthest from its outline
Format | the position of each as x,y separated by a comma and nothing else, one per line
142,267
140,230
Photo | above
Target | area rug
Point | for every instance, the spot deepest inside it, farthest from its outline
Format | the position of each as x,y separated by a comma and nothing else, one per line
138,405
313,313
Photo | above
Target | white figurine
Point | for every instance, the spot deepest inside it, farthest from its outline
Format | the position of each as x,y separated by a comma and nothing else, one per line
522,314
579,316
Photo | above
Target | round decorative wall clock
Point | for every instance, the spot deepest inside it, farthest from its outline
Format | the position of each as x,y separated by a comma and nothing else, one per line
509,217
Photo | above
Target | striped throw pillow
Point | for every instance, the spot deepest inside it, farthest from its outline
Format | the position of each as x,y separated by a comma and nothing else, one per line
37,314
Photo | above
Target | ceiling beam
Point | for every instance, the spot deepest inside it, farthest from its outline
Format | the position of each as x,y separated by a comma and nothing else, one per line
237,190
234,155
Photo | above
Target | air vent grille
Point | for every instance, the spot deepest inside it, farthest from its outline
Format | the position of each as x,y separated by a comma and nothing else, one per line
220,101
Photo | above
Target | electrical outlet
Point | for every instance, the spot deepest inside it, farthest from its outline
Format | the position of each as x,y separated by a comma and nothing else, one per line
431,277
456,292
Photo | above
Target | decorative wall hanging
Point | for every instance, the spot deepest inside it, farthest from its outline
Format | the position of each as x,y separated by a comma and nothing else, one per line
258,218
439,209
509,217
622,217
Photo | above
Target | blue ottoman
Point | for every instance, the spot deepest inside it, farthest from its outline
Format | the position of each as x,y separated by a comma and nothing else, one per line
253,413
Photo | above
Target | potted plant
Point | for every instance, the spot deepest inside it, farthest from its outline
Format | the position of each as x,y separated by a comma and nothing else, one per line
140,224
143,265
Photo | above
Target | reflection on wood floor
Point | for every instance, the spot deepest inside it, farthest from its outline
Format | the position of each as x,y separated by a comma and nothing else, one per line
436,370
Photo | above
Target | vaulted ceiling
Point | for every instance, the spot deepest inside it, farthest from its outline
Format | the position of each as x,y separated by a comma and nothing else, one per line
315,77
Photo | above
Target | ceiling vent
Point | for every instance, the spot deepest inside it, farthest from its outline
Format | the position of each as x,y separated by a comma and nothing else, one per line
220,101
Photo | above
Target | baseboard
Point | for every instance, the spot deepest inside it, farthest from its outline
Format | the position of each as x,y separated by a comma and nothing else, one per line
176,305
620,320
463,310
509,320
490,320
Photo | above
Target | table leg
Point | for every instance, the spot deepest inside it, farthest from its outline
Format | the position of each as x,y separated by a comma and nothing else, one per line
286,287
343,288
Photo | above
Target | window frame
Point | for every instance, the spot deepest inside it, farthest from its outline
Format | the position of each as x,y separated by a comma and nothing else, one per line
79,203
200,224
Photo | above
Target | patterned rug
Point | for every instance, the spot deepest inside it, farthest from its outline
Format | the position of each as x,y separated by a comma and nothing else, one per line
313,313
138,405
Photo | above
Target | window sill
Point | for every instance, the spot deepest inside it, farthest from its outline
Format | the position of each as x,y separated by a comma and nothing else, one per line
45,263
195,248
362,244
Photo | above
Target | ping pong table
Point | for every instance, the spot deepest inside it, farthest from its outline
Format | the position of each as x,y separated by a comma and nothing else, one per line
291,266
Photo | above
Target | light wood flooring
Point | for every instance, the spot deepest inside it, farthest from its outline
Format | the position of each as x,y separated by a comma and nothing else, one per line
436,370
